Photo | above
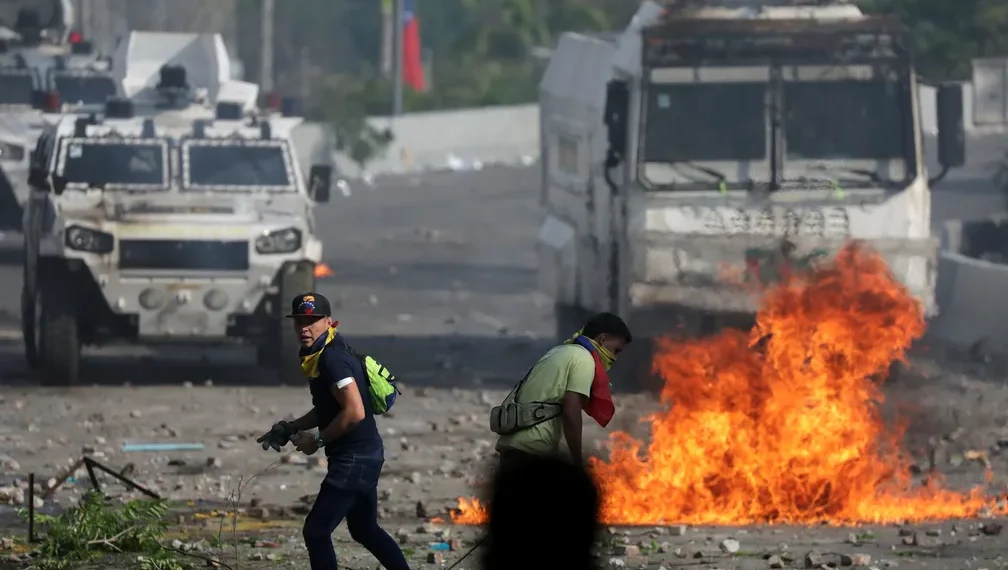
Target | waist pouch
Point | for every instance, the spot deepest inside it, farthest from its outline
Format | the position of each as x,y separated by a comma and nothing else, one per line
511,417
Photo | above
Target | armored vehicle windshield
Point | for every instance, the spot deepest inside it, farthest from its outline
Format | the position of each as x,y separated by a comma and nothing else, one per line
713,121
739,104
865,120
93,89
118,163
13,12
237,165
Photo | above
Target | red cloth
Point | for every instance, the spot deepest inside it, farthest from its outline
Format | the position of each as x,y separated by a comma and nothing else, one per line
600,405
412,65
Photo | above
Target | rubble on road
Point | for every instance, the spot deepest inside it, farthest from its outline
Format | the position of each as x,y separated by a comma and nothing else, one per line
437,448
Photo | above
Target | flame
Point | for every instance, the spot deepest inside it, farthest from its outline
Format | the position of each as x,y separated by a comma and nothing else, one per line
781,424
323,270
469,511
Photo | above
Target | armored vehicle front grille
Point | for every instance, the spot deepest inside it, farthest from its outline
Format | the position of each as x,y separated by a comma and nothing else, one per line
184,254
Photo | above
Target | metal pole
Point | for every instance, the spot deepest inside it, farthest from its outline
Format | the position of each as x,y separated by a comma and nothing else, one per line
266,69
388,16
304,73
397,59
84,22
31,508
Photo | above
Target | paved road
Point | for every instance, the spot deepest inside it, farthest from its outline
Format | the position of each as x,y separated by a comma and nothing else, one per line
435,273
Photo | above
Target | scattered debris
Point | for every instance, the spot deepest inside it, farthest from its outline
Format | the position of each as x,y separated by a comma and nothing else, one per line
729,546
855,560
814,559
978,455
991,528
129,447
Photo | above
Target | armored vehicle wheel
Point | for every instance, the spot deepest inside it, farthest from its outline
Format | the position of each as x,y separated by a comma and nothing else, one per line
295,279
60,342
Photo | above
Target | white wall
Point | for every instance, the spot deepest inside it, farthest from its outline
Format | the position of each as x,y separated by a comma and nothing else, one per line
458,139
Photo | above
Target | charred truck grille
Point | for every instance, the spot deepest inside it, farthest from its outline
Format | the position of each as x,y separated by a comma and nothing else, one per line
184,254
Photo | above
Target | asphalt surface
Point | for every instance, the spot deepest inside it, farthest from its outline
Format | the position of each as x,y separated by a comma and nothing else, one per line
433,272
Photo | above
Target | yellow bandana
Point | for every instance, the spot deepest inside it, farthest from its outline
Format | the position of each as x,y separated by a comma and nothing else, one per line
605,355
310,362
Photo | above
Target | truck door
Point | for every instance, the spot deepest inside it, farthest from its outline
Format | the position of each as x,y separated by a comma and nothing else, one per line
573,235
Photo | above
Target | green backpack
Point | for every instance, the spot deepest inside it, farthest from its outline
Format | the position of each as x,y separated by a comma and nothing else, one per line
381,381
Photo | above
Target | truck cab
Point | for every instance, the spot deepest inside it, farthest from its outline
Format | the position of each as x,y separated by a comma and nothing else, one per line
688,156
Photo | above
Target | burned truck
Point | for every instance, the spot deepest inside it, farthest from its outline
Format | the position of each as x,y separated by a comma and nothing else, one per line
707,139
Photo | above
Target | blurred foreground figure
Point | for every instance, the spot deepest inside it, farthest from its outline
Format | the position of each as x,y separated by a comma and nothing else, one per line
543,514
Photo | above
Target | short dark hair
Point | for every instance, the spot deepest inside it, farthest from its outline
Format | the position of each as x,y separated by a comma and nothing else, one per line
557,494
607,323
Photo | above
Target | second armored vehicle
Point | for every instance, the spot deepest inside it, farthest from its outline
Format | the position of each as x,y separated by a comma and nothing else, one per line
712,139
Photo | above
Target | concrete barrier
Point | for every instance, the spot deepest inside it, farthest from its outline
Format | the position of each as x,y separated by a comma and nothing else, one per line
972,285
461,139
984,238
971,299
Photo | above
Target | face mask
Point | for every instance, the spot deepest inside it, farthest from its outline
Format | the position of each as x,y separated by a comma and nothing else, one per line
605,355
310,362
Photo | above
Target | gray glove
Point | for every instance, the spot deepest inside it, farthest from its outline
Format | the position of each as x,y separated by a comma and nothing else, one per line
277,437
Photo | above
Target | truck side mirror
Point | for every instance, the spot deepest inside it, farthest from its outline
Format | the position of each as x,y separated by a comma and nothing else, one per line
320,178
617,108
951,130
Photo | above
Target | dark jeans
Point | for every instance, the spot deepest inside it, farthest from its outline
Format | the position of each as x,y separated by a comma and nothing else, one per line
350,491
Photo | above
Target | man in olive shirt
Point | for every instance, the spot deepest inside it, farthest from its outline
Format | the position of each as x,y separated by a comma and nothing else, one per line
565,375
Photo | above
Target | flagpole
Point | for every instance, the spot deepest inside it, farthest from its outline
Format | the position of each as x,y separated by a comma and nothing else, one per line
266,55
387,16
397,58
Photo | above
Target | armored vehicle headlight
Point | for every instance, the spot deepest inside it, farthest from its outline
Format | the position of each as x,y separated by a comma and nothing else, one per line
215,299
151,299
86,239
280,241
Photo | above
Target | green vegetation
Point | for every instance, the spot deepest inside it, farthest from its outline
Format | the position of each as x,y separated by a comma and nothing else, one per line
93,529
483,52
493,52
948,35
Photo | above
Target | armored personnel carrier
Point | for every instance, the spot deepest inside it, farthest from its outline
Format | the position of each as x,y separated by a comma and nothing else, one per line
171,217
712,138
46,68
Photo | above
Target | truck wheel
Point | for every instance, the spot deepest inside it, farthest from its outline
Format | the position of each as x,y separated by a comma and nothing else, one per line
60,340
29,312
295,279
